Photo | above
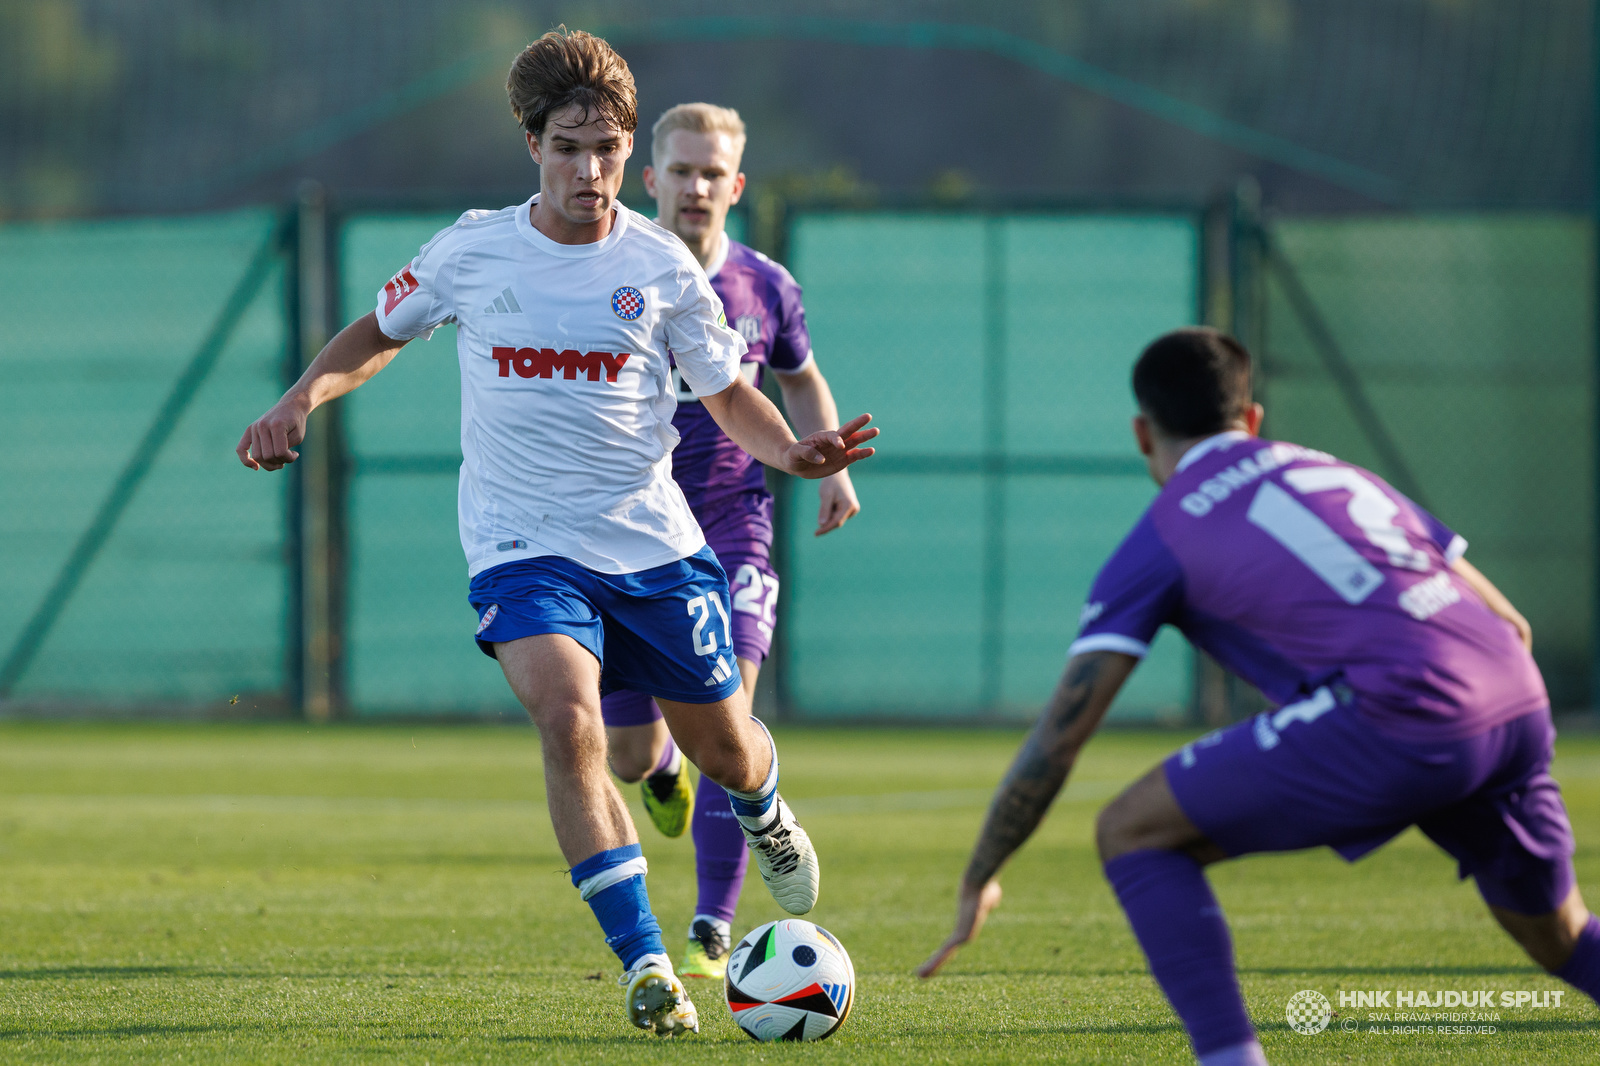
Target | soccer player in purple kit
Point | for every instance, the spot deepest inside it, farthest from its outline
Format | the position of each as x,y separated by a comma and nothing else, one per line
1407,696
695,179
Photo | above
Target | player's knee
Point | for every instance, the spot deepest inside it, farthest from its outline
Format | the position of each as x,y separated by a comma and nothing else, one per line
566,724
728,764
1112,835
630,766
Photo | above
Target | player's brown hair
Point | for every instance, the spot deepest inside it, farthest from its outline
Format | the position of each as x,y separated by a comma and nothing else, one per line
1193,382
566,67
696,118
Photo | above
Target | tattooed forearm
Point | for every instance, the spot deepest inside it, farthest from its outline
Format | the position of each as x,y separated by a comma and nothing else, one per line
1041,767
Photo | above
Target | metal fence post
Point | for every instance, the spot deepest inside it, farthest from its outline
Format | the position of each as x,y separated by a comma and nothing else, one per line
993,597
1209,703
317,516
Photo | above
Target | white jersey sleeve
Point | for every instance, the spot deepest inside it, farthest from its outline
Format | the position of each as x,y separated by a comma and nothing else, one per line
705,350
419,299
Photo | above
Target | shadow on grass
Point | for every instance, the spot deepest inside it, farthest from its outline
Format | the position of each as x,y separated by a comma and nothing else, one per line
109,973
120,1031
1410,971
1145,1028
45,973
621,1040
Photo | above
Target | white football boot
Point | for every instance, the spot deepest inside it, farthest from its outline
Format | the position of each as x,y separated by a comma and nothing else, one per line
656,999
787,861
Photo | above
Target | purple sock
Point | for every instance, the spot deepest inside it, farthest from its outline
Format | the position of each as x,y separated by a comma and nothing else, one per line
720,854
1582,970
1184,935
667,754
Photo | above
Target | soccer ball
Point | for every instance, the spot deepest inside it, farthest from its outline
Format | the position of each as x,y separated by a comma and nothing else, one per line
790,980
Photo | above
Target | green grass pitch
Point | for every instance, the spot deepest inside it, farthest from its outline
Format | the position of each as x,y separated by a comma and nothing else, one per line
390,894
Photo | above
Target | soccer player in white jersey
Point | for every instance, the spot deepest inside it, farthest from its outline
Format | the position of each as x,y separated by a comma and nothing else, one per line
695,179
588,571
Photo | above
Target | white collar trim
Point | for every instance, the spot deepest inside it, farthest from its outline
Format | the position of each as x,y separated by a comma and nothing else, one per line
1224,440
571,251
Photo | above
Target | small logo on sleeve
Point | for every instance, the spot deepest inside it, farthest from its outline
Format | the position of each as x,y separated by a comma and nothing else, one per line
398,288
628,303
488,618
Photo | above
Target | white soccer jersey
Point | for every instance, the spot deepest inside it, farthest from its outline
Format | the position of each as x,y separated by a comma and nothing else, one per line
566,392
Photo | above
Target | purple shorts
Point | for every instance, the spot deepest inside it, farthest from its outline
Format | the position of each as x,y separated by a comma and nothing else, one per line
739,530
1316,773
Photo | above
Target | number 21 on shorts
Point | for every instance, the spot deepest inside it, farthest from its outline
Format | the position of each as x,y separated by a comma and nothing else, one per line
705,643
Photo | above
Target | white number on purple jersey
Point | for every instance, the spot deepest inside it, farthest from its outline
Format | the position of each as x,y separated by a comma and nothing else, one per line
1316,544
755,593
1371,511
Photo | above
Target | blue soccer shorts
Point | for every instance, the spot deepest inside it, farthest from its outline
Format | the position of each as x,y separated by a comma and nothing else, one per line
1317,774
739,529
665,631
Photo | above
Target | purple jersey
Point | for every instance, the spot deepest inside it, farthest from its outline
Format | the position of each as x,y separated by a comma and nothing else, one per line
762,302
1295,570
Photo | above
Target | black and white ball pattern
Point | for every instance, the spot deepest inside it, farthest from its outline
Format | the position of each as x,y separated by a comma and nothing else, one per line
790,980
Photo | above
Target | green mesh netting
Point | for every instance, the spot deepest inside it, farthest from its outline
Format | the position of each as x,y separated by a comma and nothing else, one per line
185,600
958,591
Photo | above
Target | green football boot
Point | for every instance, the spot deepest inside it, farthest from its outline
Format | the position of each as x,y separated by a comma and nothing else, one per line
669,797
707,954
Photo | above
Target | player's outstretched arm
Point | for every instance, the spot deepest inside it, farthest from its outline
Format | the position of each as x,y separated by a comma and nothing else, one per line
1080,701
810,404
359,351
1495,599
751,421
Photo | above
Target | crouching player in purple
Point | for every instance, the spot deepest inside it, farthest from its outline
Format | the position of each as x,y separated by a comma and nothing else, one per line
695,180
1406,689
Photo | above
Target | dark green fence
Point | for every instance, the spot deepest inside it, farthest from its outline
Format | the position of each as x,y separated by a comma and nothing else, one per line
143,567
1467,343
994,351
139,562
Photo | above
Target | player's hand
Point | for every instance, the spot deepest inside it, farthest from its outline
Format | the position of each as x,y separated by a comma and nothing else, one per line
839,503
268,443
829,451
971,912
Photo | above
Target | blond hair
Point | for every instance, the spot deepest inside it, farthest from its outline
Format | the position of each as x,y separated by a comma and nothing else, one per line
696,118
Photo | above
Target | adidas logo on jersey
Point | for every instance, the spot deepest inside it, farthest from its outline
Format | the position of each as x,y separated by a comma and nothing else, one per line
504,304
544,362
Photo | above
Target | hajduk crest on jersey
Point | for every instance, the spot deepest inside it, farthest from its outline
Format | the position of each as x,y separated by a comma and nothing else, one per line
628,303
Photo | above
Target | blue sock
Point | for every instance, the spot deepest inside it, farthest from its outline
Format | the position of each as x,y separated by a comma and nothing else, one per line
754,809
612,882
1582,970
1184,935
